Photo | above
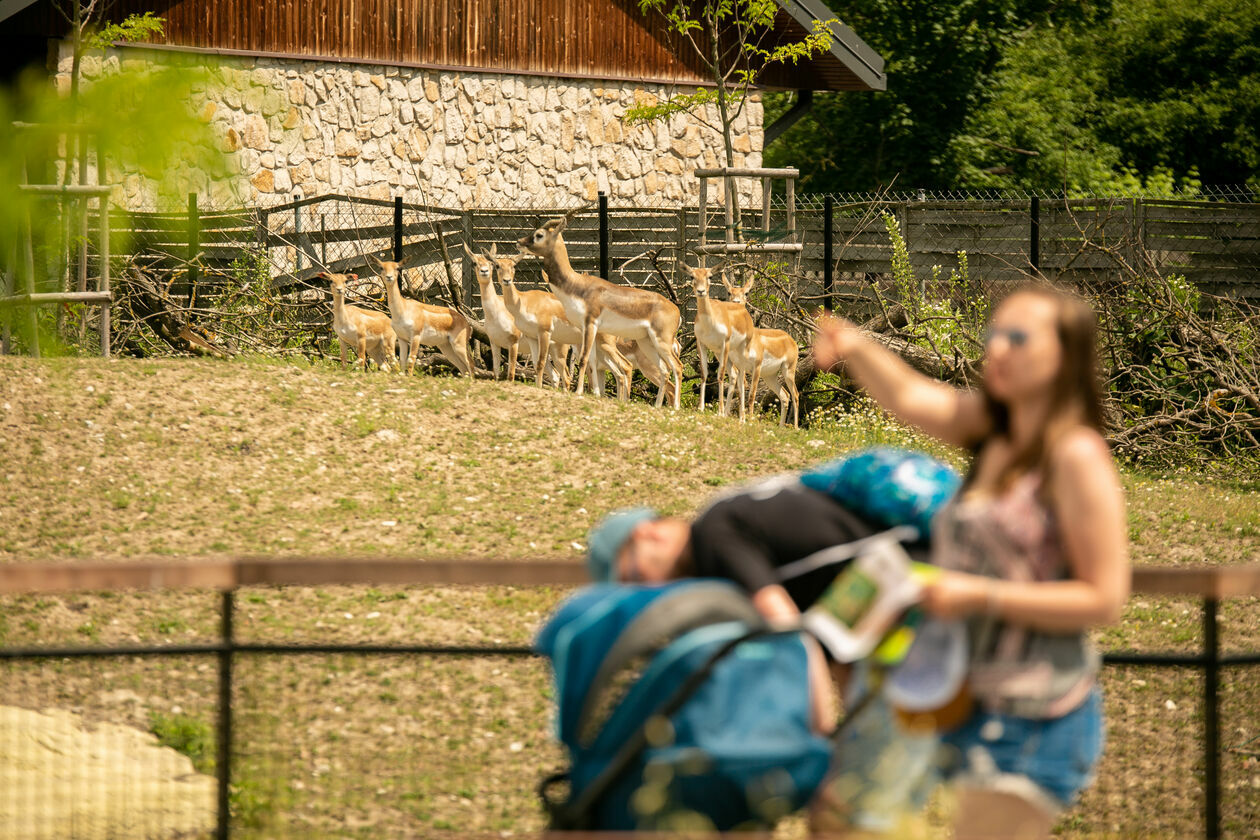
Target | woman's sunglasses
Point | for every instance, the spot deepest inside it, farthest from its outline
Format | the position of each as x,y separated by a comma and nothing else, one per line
1014,336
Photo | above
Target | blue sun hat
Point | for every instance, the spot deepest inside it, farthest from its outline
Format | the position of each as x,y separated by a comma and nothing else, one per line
888,486
606,539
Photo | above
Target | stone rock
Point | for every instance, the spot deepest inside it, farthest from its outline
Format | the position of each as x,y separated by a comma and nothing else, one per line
406,112
252,101
264,181
231,140
292,120
255,133
95,767
297,92
431,90
267,160
370,150
347,144
651,183
741,143
281,181
208,110
382,126
368,100
595,127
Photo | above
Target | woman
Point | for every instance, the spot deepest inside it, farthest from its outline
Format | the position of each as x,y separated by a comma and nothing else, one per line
1034,548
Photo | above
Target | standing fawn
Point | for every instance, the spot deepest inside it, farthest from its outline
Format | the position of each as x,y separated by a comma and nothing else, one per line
539,316
548,334
769,353
773,354
368,332
500,325
419,323
722,328
596,305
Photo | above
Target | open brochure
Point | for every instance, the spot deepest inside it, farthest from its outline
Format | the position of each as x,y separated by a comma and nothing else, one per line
866,601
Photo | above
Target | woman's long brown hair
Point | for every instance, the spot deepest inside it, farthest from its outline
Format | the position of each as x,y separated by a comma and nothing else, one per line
1077,392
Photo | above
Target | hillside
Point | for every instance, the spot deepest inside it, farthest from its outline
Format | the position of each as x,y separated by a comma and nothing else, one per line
128,458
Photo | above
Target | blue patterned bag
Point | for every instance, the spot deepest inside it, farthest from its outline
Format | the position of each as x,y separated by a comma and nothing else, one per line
888,486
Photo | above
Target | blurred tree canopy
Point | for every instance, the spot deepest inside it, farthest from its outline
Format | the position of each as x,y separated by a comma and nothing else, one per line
1079,95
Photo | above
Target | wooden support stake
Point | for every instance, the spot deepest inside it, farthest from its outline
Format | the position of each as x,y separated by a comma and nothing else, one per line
28,268
104,284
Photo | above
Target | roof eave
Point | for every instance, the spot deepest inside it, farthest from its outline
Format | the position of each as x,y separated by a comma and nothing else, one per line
846,47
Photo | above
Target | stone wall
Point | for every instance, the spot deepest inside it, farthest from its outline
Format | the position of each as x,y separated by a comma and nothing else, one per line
450,139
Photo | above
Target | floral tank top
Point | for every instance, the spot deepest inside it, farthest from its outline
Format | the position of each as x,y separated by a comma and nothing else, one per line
1015,670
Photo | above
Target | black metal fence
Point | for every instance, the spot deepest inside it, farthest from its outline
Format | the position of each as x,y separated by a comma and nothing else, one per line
1172,768
1213,241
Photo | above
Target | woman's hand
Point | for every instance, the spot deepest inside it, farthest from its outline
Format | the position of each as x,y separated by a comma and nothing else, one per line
957,595
833,341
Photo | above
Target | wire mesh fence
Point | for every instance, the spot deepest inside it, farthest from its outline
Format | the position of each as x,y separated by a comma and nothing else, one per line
260,264
394,711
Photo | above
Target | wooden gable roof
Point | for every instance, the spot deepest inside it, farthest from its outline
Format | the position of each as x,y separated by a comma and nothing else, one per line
594,39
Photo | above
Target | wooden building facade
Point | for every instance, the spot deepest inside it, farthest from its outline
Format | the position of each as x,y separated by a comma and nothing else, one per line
458,102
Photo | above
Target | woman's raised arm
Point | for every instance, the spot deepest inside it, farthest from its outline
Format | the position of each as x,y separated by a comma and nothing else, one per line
952,415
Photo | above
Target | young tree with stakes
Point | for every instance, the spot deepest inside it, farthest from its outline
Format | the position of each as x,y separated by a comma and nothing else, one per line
733,39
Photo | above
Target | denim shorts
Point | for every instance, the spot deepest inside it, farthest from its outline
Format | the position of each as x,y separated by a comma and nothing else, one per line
1058,754
882,772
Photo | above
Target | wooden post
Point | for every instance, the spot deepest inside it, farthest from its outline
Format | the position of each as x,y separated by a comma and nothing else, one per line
765,204
28,267
104,284
730,208
298,247
791,204
8,282
194,246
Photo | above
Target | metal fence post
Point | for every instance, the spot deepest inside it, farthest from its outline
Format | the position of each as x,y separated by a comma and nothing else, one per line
469,279
194,244
828,256
223,760
297,233
1211,723
398,225
1034,233
605,267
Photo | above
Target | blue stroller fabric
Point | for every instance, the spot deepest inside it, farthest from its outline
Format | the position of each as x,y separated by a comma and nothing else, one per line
679,709
888,486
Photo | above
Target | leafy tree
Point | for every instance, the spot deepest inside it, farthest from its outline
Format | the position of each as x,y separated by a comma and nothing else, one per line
731,38
939,57
1153,96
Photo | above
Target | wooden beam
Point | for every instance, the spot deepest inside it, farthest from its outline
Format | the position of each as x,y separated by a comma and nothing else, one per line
36,298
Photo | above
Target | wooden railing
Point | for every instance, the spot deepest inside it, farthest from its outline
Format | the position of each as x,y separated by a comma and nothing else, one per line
1211,584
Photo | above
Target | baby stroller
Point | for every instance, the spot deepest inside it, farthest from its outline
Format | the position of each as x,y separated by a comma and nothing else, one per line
680,710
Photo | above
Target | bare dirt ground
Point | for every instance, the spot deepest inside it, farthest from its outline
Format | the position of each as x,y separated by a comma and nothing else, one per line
126,459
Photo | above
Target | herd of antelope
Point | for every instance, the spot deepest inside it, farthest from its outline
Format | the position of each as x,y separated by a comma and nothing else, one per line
614,328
